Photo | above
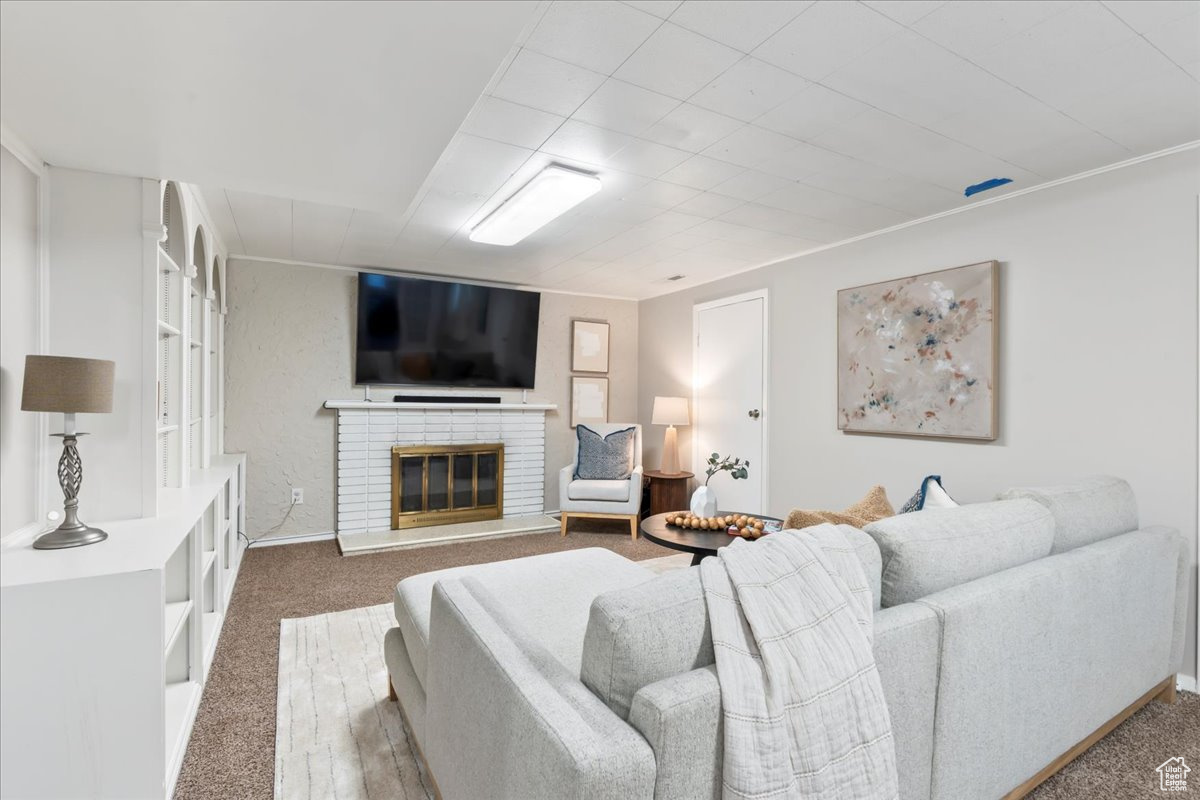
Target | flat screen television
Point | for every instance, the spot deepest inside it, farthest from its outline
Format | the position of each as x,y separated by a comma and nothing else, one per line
434,333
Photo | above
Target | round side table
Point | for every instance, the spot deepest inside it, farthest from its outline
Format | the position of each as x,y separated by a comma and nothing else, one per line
668,491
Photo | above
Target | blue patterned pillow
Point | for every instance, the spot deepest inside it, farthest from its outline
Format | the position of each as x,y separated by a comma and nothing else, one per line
604,458
930,495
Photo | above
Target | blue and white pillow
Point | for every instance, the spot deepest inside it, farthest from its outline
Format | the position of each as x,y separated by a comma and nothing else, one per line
930,495
604,458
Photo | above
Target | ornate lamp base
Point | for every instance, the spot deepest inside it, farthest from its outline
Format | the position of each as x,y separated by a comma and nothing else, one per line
60,538
72,532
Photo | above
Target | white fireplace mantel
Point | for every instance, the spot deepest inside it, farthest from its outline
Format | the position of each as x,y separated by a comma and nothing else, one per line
367,430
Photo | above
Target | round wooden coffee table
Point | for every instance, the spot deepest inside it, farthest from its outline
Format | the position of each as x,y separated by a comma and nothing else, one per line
699,543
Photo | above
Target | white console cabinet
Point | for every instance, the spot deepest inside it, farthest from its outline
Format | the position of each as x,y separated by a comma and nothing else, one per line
107,647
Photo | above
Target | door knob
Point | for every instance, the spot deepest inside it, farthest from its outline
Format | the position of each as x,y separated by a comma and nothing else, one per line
754,413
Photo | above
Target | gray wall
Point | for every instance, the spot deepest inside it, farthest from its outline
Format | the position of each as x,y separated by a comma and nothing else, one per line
289,347
1098,356
19,436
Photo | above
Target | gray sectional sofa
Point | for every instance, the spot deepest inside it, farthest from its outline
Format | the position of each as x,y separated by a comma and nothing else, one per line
1006,633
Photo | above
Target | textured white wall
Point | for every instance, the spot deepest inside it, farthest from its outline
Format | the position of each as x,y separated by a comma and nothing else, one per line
289,347
1098,358
19,439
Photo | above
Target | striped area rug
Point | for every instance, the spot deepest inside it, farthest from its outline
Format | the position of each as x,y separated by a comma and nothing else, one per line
336,733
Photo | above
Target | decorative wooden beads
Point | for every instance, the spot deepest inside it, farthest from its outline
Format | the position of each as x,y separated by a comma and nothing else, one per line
736,525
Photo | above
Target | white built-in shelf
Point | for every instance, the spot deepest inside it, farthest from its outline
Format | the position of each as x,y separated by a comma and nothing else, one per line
210,557
197,345
367,406
173,624
211,626
165,429
182,698
166,329
165,262
196,420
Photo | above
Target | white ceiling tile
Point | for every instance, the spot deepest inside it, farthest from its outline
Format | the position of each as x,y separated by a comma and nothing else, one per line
775,220
691,128
741,24
1147,15
548,84
595,34
418,241
825,37
802,161
585,142
686,240
318,230
709,205
661,194
627,213
811,112
750,145
1180,41
832,207
702,172
750,185
493,118
222,217
677,62
370,229
967,28
623,107
906,12
649,159
265,223
659,8
446,211
670,223
477,166
748,89
1058,158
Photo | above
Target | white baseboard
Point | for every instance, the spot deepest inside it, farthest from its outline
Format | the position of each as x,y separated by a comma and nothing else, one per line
299,538
1186,683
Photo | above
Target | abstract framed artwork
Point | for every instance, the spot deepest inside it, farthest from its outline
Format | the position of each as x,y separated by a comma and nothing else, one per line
589,400
589,346
918,356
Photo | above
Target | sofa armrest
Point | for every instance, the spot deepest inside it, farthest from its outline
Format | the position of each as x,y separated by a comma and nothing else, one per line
680,717
565,476
506,720
635,491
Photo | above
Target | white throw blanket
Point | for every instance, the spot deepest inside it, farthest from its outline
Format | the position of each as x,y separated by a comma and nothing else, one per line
801,700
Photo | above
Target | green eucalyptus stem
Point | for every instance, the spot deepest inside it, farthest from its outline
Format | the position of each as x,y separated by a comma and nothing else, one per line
736,467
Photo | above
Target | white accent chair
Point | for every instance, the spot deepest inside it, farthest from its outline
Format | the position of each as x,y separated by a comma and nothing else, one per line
603,499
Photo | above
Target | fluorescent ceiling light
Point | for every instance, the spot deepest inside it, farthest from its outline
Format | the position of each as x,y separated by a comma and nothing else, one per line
551,193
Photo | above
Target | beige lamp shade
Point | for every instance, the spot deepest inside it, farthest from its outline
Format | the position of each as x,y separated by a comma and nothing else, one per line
68,385
670,411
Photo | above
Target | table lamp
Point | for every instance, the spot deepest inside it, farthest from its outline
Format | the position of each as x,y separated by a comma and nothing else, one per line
71,386
670,411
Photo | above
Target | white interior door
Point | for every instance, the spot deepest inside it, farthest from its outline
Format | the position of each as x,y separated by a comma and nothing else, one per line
729,403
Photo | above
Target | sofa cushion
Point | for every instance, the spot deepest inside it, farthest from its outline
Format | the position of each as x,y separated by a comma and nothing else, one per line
644,633
611,491
605,458
1086,511
933,550
550,593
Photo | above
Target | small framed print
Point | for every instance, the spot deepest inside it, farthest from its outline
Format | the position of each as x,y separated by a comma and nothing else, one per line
589,400
589,346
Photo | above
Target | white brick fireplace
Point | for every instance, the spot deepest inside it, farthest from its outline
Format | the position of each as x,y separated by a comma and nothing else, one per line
366,432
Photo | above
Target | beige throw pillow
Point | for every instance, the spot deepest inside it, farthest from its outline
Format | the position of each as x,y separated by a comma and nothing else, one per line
874,506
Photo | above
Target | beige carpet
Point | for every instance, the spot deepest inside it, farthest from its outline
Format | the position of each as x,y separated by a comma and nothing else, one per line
232,749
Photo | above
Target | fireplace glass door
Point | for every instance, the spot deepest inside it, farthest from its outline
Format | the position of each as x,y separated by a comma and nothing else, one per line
437,484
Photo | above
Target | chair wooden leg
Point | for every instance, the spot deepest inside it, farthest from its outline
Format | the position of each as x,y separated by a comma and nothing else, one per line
633,527
391,689
562,531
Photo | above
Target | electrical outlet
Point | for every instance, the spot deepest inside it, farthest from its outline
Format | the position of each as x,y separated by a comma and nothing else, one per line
297,497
